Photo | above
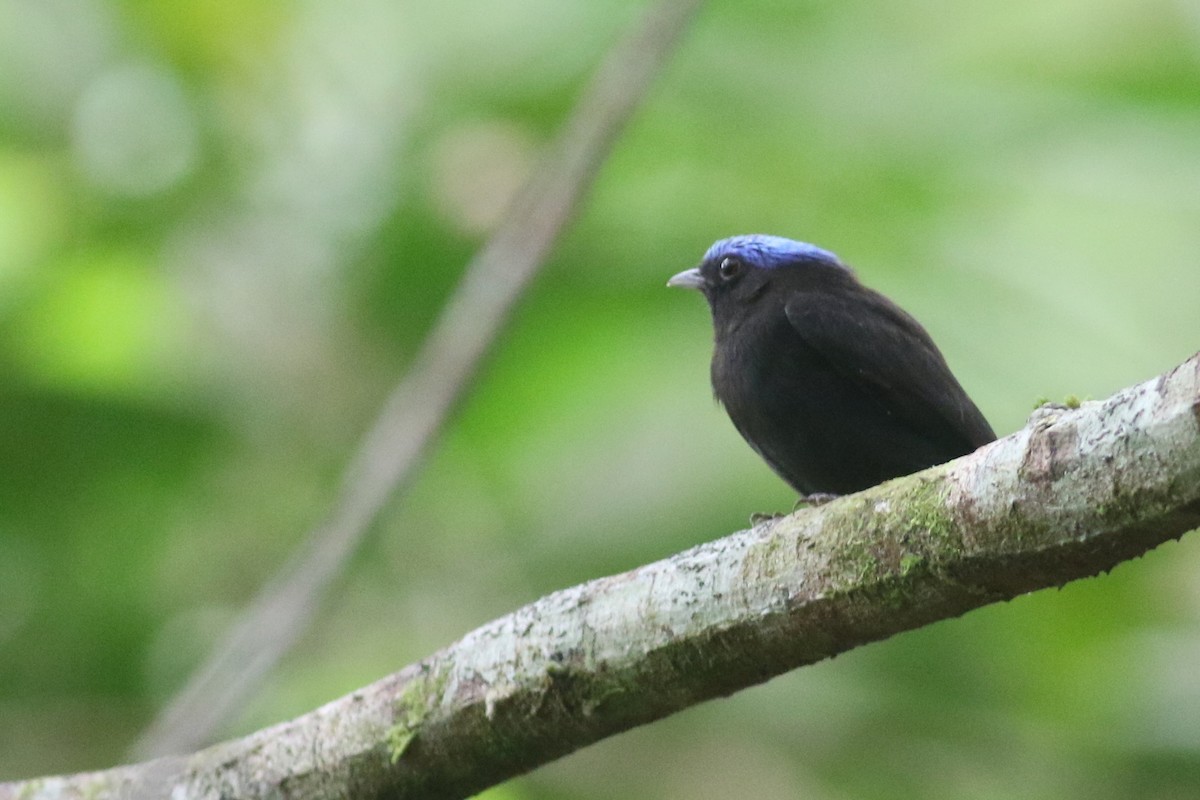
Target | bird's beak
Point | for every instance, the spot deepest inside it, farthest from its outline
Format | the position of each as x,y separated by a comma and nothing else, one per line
688,279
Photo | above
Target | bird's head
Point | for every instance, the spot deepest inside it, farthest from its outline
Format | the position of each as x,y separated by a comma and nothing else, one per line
740,269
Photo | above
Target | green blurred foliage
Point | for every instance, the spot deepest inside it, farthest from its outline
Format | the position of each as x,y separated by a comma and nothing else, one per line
224,228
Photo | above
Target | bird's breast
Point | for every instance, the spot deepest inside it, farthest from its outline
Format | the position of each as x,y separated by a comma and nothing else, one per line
752,361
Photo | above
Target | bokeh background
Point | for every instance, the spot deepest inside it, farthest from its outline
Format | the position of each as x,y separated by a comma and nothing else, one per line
225,227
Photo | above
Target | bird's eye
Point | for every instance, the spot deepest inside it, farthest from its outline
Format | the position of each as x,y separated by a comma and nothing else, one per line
730,268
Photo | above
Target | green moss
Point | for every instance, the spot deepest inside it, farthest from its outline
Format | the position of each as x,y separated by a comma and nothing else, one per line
1070,401
399,736
894,532
422,694
861,563
922,509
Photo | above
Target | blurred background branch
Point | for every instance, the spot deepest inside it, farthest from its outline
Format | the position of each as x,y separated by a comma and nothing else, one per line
419,406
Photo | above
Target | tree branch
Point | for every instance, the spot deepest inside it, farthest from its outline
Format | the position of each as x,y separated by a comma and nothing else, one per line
414,414
1072,494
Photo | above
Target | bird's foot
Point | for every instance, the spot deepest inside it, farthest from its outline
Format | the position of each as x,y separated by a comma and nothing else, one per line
814,499
806,500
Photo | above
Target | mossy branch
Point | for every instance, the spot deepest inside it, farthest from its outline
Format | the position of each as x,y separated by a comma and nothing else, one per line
1072,494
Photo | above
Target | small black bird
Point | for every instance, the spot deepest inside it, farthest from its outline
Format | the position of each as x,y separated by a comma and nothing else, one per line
834,385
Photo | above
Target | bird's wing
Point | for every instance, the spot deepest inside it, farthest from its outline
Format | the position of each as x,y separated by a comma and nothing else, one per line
872,342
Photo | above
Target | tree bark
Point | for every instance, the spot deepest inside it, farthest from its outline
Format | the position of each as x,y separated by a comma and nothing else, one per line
1072,494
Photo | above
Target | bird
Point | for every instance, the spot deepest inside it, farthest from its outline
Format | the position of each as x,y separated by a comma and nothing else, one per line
835,386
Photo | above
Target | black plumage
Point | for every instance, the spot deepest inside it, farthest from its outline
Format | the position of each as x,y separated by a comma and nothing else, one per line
834,385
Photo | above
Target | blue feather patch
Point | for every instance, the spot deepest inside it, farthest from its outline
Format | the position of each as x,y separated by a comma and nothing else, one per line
767,252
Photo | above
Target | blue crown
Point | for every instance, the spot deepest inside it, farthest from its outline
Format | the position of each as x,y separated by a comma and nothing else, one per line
767,252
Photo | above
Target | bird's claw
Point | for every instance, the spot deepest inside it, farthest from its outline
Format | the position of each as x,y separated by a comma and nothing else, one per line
806,500
814,499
